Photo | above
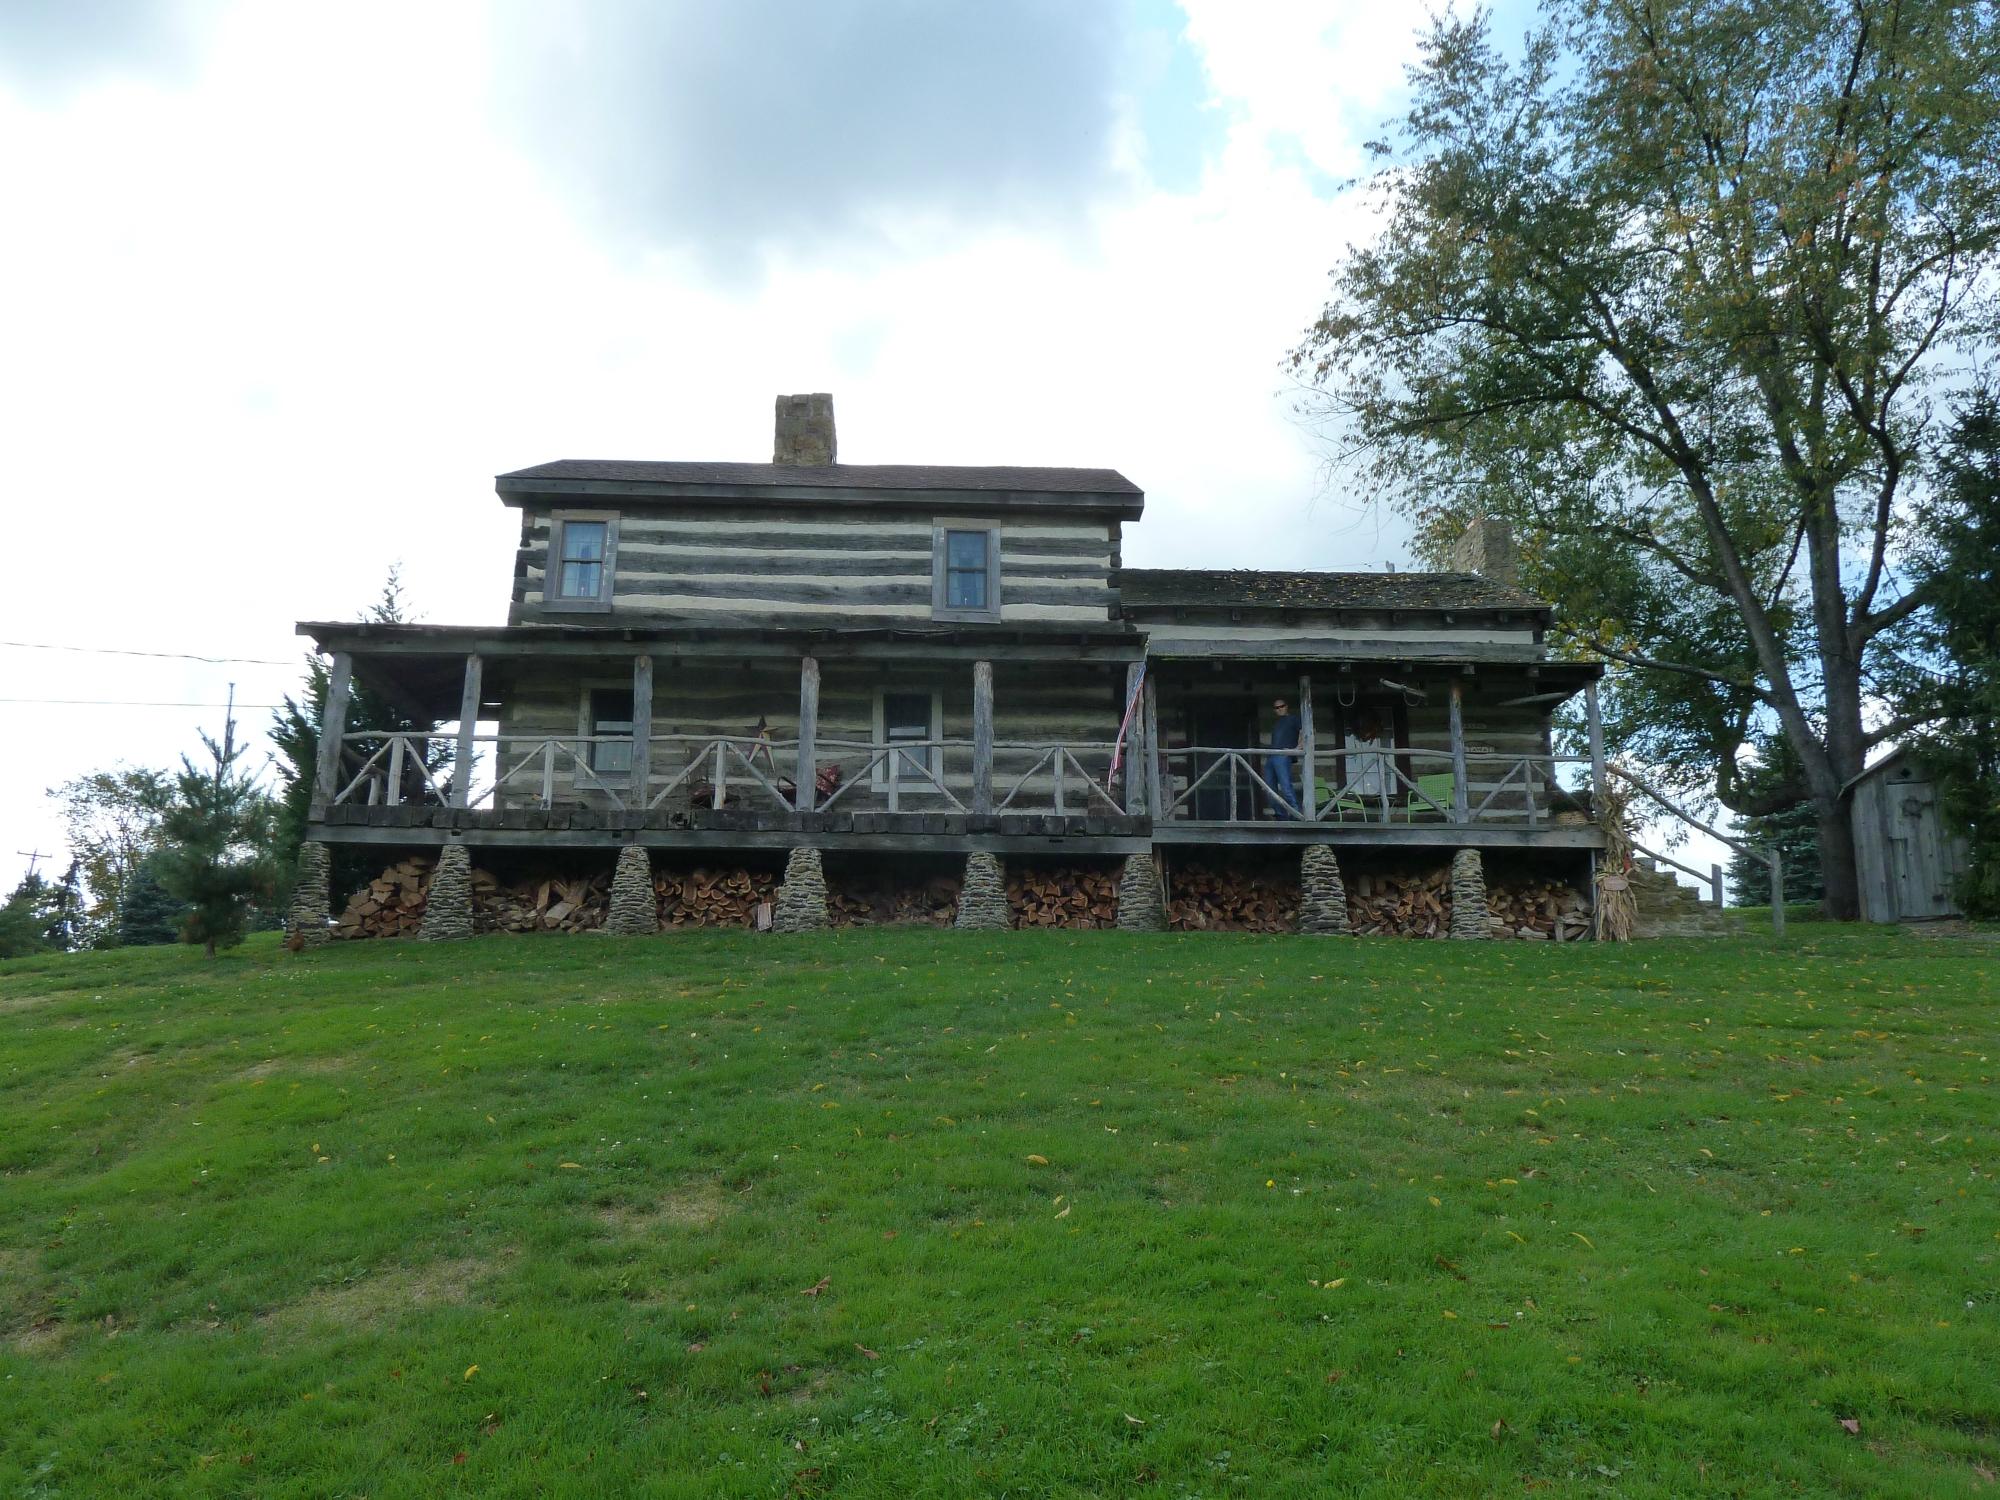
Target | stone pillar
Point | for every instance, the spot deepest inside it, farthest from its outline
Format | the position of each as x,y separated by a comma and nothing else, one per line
1140,908
448,903
1322,896
982,899
1468,896
311,898
801,905
635,909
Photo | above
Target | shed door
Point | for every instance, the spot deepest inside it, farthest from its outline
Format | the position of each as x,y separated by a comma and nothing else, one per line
1917,869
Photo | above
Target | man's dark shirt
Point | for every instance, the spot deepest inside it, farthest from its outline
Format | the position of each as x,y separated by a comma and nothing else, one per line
1285,733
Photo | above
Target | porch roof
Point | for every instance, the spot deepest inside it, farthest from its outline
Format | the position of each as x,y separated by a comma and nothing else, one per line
1026,640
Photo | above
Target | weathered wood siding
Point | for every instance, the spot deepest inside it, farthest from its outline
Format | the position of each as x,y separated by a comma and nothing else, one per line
1909,862
787,564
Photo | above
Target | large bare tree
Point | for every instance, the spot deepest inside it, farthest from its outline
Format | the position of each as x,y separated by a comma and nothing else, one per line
1677,289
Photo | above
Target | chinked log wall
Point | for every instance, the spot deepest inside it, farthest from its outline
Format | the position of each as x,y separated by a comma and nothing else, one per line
796,564
1045,705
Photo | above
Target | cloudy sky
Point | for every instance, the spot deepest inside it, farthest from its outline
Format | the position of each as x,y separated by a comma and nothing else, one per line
285,286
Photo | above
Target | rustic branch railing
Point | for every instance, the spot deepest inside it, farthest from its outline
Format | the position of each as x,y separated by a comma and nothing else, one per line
1347,785
1063,763
382,774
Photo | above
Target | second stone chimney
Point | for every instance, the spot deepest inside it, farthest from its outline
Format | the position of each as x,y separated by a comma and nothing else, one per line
1487,548
805,430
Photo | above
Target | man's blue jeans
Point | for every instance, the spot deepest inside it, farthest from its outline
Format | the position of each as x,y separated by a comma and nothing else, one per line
1278,772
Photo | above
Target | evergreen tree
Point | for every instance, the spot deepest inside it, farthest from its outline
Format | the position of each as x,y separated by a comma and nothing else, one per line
1792,831
1960,569
148,916
66,911
26,917
295,731
217,833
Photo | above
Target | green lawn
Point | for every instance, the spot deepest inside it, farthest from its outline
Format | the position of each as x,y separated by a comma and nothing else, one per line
919,1213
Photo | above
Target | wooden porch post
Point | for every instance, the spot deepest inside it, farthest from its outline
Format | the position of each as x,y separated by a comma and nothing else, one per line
1596,748
468,726
1461,794
333,724
1156,802
1135,748
804,786
982,737
1308,798
642,732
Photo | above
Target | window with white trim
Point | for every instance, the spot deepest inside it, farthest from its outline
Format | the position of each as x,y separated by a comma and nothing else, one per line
609,712
909,718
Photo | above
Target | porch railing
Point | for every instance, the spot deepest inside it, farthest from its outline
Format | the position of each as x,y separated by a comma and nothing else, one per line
1216,785
394,768
1229,785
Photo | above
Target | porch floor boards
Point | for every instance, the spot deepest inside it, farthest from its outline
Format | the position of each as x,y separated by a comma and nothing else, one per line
704,828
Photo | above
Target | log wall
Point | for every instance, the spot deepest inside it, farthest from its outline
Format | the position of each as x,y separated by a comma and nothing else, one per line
789,565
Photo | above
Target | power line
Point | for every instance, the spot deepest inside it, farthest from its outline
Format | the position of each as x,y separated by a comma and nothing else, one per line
125,703
255,661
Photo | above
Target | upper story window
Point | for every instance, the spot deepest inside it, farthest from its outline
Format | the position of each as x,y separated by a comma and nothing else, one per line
582,554
965,563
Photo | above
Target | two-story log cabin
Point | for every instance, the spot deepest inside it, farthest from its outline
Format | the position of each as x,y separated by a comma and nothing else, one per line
810,655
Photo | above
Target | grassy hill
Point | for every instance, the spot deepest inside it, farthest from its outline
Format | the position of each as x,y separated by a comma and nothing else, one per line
918,1213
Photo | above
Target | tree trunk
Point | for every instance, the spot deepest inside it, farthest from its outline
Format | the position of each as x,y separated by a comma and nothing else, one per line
1838,872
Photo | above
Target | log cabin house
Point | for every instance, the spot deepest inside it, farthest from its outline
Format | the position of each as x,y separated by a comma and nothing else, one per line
804,655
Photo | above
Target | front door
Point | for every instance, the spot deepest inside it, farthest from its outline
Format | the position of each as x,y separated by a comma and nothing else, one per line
1225,724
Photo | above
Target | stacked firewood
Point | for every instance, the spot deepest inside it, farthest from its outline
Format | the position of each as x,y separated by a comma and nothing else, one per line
713,896
933,901
1218,898
1062,896
1545,909
1410,904
557,904
390,905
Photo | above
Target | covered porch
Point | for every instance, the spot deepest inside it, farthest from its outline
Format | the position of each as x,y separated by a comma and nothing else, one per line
936,739
1390,748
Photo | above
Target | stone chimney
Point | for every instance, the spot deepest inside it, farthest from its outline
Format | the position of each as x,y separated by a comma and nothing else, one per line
805,430
1487,548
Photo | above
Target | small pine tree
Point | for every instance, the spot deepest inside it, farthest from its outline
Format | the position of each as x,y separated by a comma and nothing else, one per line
216,834
26,917
1792,831
149,916
1961,568
66,913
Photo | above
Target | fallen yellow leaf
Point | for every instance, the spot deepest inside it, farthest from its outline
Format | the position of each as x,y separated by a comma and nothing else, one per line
470,1371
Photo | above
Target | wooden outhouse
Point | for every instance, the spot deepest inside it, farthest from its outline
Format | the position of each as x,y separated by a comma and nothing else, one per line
1910,859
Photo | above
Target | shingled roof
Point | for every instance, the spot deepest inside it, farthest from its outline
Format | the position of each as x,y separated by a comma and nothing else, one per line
988,477
1254,588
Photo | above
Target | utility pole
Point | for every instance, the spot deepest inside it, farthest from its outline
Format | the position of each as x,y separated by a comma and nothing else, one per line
33,857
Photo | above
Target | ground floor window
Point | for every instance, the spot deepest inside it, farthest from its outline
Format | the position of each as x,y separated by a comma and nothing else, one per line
908,718
608,711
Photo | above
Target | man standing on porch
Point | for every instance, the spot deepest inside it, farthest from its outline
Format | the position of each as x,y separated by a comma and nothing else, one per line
1278,768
